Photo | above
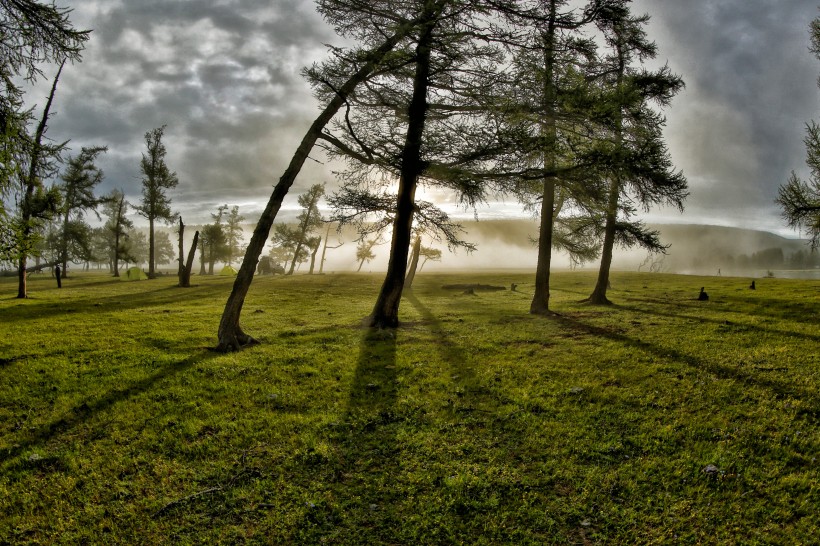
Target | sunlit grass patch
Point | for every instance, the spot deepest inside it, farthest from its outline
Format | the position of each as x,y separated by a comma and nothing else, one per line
659,419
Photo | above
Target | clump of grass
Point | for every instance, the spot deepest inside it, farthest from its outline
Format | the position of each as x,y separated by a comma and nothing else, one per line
660,419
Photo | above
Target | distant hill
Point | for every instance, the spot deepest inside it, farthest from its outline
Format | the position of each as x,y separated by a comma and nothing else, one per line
694,248
705,249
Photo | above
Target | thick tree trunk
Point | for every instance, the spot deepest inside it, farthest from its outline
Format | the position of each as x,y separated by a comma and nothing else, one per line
414,263
230,334
22,274
541,297
151,273
386,311
185,277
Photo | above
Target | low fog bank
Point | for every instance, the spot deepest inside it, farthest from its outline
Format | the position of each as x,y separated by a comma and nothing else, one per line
509,245
694,249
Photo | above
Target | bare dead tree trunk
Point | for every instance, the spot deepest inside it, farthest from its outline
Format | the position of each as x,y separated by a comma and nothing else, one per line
324,250
386,311
230,334
185,277
22,287
181,269
414,263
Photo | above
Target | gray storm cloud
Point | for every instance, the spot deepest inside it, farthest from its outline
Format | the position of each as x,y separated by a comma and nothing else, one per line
737,129
225,78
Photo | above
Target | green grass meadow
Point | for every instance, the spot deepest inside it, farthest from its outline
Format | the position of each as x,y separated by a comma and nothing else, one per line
473,423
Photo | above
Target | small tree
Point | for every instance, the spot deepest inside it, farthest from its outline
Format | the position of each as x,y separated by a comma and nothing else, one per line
364,250
135,247
158,179
309,219
115,208
213,241
233,234
163,248
77,188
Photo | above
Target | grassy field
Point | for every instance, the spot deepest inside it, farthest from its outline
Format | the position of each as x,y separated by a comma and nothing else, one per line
659,420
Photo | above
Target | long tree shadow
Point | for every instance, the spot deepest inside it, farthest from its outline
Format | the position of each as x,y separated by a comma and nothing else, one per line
717,322
778,388
449,351
162,296
88,409
772,307
363,474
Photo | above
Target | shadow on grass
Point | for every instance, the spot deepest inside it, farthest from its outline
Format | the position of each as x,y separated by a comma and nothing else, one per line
88,409
365,443
124,301
449,351
780,389
717,321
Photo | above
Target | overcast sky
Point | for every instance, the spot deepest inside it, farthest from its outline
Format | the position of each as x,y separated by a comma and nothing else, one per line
224,76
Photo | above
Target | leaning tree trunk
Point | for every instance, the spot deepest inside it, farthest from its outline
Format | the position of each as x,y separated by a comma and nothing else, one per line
386,311
185,277
313,257
598,296
36,150
414,263
230,334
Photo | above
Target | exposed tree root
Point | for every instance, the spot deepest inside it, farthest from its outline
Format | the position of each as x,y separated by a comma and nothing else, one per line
596,300
235,341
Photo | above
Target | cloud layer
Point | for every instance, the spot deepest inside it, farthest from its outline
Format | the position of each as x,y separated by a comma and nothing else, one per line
224,76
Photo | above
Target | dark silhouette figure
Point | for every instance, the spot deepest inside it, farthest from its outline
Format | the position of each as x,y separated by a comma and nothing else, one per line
57,273
513,287
752,286
703,296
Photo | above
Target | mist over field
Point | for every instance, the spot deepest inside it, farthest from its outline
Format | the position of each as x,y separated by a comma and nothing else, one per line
509,245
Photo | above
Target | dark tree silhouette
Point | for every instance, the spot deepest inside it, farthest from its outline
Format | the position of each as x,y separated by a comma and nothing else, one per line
362,65
642,166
